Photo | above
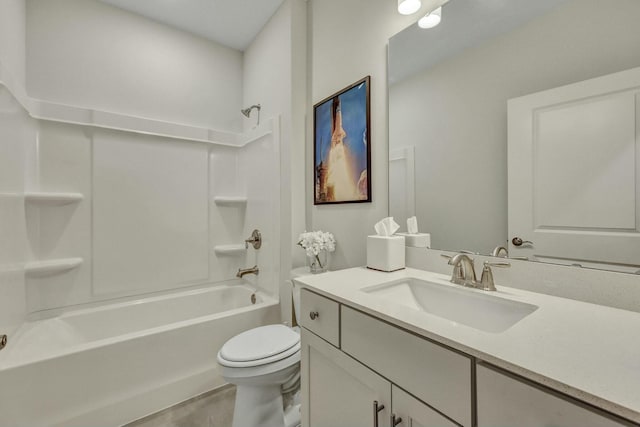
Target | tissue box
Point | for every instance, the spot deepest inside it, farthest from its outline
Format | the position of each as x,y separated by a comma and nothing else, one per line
418,240
385,253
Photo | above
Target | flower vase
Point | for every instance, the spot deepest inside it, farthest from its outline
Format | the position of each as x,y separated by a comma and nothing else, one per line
318,263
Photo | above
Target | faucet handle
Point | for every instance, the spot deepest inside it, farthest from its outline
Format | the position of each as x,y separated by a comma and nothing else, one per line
486,280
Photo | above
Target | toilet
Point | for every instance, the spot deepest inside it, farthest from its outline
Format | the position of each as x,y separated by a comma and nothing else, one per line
264,364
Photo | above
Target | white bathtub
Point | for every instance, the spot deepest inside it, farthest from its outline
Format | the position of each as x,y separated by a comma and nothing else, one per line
109,365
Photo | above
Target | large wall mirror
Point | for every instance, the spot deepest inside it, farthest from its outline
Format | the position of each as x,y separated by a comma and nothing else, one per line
518,119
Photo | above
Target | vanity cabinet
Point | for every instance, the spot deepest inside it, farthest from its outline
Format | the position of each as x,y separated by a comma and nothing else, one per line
351,360
506,401
339,390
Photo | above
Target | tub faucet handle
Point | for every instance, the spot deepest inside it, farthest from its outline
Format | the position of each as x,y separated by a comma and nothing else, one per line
255,240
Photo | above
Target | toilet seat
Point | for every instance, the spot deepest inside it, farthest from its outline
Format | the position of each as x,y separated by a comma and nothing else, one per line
259,346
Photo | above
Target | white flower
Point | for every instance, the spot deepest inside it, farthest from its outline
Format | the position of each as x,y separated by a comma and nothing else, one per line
315,241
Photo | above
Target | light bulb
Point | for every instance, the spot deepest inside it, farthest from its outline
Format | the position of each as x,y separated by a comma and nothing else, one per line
407,7
432,19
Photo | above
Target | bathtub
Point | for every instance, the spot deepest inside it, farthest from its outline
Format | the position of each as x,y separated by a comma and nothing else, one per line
108,365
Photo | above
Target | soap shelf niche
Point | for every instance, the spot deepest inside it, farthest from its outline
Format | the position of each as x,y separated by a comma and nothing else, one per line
230,250
51,198
237,201
53,266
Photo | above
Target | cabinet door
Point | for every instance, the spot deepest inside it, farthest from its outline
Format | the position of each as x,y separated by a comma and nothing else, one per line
504,401
337,390
414,413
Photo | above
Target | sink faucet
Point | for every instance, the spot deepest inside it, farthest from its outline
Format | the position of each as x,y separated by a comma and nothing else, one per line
464,272
253,270
498,250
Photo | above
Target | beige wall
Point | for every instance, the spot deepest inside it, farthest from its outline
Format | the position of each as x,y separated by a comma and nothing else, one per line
348,40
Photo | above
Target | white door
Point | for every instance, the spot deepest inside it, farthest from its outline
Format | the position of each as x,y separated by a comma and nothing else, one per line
574,186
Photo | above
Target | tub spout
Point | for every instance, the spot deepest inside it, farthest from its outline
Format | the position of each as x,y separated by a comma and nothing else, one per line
253,270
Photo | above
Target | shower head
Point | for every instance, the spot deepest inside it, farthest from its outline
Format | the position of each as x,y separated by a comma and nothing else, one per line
247,111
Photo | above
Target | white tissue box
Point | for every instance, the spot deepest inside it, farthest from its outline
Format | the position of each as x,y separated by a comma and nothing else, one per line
385,253
418,240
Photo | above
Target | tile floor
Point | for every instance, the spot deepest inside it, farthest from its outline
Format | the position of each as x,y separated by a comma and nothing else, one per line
211,409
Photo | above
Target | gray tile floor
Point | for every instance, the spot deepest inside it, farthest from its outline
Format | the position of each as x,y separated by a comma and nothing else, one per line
212,409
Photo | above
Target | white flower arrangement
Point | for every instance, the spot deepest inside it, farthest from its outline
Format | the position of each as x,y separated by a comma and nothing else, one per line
315,241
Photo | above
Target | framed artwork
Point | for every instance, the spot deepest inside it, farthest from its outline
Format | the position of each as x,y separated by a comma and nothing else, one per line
342,155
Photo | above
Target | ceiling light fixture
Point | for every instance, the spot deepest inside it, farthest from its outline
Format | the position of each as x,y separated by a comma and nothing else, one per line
408,7
431,19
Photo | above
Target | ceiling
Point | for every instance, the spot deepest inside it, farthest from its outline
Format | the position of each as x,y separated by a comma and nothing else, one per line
233,23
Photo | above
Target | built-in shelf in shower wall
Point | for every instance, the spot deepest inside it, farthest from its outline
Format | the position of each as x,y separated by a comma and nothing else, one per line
50,198
237,201
230,250
52,266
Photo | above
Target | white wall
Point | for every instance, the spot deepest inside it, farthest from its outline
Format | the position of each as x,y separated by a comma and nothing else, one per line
15,129
12,39
456,113
275,77
347,42
89,54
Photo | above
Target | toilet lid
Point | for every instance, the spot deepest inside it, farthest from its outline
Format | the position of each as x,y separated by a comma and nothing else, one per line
259,343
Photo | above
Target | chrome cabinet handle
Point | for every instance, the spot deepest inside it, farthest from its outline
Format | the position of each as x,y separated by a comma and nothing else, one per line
517,241
376,409
395,420
314,315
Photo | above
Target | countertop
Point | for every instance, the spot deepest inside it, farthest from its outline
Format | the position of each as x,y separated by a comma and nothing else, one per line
587,351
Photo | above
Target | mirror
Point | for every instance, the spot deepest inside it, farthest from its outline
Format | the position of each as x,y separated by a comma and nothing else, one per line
449,88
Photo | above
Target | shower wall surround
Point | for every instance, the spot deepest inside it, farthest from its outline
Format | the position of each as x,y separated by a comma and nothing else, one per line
146,220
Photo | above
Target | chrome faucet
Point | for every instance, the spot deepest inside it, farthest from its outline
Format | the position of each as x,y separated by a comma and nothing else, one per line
464,272
253,270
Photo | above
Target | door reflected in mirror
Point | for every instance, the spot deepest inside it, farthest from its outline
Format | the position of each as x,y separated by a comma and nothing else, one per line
450,126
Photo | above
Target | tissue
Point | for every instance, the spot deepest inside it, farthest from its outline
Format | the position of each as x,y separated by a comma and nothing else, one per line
385,252
413,238
412,225
386,227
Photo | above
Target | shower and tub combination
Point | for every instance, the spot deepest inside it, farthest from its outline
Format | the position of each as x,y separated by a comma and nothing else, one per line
134,235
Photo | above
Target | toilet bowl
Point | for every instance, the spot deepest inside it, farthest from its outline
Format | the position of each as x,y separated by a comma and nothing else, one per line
262,363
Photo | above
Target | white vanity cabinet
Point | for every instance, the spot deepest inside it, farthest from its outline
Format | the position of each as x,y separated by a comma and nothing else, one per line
338,390
506,401
351,360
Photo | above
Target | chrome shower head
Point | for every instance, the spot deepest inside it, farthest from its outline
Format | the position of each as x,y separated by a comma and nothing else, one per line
247,111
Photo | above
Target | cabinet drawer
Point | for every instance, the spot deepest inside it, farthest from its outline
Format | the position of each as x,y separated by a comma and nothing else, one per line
504,401
433,373
320,315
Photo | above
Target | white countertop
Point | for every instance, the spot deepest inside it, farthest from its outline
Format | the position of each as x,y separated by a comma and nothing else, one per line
588,351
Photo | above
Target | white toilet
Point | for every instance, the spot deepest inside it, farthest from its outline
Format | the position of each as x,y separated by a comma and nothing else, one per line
264,364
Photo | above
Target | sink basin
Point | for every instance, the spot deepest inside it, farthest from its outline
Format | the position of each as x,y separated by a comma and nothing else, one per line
472,308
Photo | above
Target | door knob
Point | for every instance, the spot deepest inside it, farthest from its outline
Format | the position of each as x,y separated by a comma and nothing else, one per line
517,241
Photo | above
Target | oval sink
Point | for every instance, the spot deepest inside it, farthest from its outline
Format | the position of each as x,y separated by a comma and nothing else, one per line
472,308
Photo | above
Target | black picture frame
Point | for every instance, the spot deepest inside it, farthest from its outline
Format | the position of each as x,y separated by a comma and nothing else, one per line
341,146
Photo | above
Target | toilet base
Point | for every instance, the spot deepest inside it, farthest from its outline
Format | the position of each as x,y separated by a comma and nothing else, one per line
258,406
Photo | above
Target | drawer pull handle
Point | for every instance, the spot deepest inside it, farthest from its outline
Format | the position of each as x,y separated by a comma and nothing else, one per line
314,315
376,409
395,421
